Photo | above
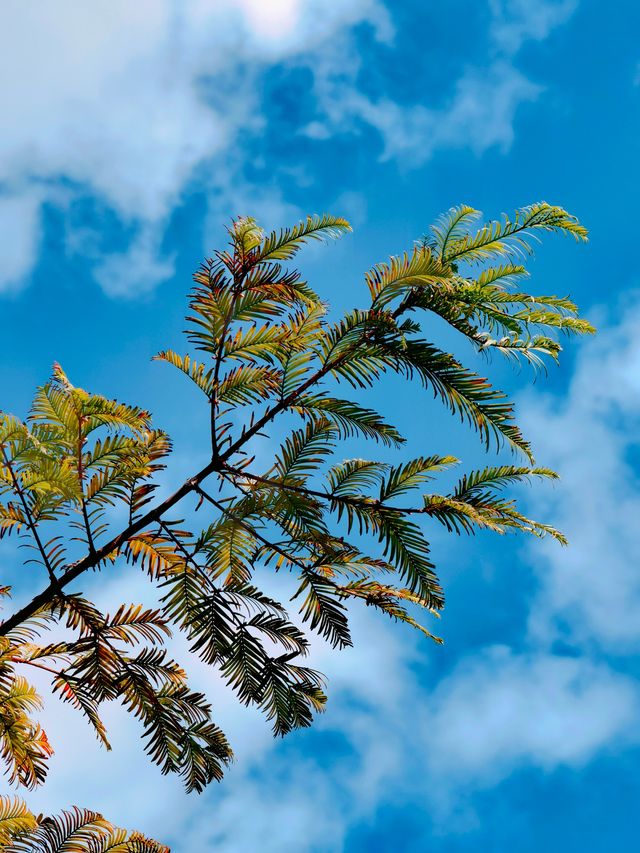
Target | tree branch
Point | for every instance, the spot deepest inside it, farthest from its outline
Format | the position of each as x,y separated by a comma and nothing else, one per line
366,503
91,561
288,401
239,273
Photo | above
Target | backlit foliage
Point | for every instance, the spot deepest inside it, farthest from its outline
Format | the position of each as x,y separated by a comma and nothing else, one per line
74,831
78,480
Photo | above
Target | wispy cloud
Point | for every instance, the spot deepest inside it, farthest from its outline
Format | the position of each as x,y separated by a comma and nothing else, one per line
130,104
20,226
590,593
500,710
479,114
123,102
517,21
480,111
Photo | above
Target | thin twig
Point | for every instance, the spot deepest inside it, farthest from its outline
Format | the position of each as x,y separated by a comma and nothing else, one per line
80,468
365,503
251,529
29,518
37,665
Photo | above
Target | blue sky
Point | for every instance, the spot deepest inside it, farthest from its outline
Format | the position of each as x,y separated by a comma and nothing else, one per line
130,134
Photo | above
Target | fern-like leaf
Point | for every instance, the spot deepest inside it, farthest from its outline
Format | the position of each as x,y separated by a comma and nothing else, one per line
284,244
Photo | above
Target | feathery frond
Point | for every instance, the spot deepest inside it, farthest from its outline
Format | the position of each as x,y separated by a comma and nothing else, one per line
389,280
511,237
15,819
79,479
350,419
451,227
283,245
74,831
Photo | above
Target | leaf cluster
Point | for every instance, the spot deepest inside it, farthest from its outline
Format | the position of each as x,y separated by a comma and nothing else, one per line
73,831
78,479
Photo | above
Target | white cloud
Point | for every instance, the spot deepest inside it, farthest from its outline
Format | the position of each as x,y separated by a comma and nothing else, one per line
480,112
20,228
590,592
517,21
137,270
479,115
483,108
499,710
125,101
131,102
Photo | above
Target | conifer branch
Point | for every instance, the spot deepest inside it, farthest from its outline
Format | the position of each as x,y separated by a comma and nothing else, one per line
82,453
92,561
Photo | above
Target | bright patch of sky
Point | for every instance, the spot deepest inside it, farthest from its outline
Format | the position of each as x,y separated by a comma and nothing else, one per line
130,134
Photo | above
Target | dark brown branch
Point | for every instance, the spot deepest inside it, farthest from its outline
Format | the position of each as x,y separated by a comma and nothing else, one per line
288,401
92,561
239,274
